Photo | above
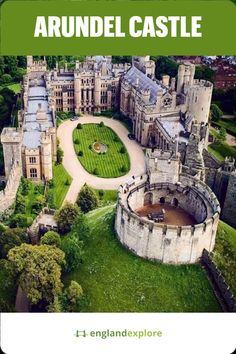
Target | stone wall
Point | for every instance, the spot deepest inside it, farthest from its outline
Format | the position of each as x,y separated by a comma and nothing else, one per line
8,195
167,243
228,212
221,288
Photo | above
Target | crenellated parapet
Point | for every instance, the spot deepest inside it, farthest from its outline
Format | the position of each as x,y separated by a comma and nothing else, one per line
164,242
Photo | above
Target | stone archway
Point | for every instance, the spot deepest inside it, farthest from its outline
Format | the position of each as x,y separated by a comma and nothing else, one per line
148,199
175,202
162,200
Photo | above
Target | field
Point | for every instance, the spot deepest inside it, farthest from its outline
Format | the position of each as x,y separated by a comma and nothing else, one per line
113,163
60,188
114,280
225,253
221,150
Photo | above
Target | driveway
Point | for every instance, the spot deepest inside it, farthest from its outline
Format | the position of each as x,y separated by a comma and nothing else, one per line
76,170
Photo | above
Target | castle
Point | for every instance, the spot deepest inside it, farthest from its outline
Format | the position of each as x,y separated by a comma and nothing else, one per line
170,115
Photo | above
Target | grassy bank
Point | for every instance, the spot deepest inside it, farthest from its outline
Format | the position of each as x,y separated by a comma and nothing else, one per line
115,280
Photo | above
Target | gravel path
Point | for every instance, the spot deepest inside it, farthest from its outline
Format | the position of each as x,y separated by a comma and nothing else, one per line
76,170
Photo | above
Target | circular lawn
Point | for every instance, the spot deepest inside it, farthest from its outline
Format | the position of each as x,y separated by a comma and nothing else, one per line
112,160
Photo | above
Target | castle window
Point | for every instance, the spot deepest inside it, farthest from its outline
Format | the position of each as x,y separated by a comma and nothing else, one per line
33,173
32,159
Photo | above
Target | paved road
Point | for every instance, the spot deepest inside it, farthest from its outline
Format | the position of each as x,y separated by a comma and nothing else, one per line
76,170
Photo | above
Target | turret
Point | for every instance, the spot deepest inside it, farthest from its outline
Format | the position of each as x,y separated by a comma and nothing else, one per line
46,156
11,139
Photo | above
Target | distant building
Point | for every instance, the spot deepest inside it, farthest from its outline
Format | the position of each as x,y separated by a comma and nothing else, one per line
225,77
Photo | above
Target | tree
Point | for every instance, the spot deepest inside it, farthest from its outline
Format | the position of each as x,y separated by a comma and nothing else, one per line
87,199
203,72
8,286
72,297
20,206
19,220
6,78
39,271
80,227
66,216
222,135
38,204
72,248
11,238
165,66
216,112
60,154
51,238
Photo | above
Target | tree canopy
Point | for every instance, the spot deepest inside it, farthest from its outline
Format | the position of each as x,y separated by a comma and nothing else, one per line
87,199
39,270
66,216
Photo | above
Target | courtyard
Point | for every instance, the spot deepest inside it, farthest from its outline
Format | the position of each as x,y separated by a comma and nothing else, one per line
100,150
172,216
76,170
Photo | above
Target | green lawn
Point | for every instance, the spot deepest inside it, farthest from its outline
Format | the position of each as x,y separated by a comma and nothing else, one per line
229,124
15,87
221,150
111,164
60,188
106,196
115,280
225,253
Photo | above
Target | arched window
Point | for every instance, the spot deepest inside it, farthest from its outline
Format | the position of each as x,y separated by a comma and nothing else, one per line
33,173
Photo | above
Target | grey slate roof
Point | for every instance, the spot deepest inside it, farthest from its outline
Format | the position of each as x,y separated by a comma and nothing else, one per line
144,83
32,129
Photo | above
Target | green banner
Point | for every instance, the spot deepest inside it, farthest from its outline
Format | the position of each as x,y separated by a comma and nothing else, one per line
118,28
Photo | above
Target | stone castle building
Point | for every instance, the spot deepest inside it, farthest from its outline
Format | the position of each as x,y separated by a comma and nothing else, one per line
165,184
170,115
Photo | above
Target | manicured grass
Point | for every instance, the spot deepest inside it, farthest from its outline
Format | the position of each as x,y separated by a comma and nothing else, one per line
228,124
106,196
225,253
115,280
111,164
60,188
15,87
221,150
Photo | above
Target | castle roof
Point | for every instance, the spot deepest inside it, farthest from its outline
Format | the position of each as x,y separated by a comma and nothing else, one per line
140,80
37,97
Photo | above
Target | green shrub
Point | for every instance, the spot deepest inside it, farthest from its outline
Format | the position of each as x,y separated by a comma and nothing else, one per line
60,154
116,139
101,124
101,193
67,182
87,199
80,153
79,126
122,150
51,238
77,142
51,183
123,169
95,171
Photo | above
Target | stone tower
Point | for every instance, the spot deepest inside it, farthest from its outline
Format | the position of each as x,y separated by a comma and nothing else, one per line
11,139
145,65
46,156
186,74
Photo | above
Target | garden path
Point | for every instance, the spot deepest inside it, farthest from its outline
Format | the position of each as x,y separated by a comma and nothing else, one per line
76,170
